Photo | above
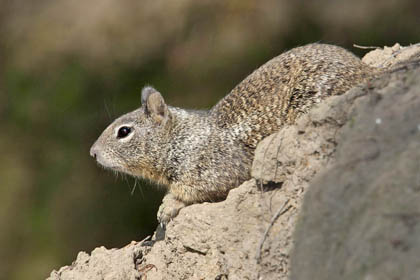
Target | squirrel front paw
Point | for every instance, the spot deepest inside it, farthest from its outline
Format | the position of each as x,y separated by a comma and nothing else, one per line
169,209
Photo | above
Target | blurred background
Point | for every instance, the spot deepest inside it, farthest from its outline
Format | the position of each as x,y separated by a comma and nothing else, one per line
68,68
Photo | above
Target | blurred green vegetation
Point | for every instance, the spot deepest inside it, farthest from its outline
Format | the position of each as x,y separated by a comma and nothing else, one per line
67,70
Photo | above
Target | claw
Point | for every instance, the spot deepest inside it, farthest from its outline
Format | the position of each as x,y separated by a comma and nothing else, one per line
169,209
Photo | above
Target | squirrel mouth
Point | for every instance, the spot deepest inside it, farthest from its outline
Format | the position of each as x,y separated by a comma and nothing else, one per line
106,164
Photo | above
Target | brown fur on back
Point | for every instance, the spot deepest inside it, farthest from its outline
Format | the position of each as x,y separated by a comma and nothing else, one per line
287,86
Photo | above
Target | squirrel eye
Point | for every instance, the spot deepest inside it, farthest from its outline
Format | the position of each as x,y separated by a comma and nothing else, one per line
123,132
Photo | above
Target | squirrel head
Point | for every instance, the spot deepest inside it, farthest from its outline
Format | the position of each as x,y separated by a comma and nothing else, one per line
134,143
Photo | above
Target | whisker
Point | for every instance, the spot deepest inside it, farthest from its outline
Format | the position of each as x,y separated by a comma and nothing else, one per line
134,187
107,111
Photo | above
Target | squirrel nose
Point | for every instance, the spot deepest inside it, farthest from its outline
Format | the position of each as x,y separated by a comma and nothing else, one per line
93,151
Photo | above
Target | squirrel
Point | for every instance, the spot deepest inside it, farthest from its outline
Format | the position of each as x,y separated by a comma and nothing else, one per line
200,155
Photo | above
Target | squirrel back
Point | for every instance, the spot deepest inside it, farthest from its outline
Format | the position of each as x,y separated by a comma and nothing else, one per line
287,86
201,155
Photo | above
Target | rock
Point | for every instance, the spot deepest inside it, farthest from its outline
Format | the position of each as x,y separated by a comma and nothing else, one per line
391,56
361,217
250,234
103,264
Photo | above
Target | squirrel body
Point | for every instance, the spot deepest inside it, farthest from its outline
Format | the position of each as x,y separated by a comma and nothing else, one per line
201,155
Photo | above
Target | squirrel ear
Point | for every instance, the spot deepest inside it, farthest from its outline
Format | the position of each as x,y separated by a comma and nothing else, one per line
154,104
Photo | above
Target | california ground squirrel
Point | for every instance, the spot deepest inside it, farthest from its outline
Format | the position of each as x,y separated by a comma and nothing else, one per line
201,155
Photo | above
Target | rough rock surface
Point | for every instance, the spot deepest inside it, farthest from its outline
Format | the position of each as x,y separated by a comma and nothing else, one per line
390,56
361,218
250,234
103,264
